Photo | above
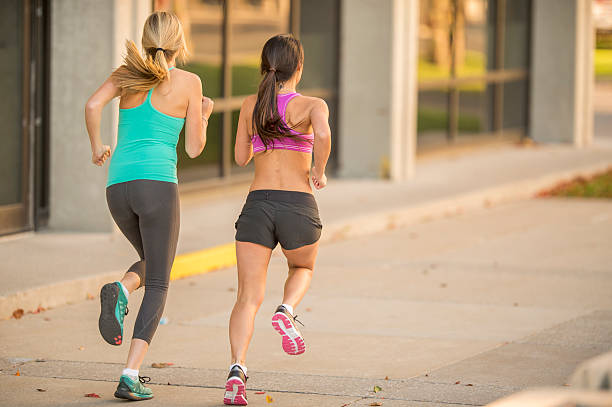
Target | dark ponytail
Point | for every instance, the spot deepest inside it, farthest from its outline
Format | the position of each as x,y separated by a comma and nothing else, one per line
280,58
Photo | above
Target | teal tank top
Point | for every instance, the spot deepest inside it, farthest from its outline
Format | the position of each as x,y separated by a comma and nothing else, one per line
146,145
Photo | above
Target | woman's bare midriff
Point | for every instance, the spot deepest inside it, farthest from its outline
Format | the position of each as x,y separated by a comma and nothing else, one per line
282,169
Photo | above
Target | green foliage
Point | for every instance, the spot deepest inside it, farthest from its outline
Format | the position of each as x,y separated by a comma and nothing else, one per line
603,63
597,187
436,119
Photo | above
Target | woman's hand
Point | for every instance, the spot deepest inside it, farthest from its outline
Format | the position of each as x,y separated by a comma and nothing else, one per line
100,154
207,107
319,179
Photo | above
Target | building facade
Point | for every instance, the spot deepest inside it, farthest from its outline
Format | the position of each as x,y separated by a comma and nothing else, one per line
401,77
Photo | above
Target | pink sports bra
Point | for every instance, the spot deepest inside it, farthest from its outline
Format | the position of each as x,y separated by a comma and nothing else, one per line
285,143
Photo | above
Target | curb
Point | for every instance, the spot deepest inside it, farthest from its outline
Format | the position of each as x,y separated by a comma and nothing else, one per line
223,256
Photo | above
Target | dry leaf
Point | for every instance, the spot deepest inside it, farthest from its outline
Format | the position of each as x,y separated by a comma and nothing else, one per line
469,384
377,389
41,389
93,395
386,377
161,365
376,403
18,313
457,382
269,399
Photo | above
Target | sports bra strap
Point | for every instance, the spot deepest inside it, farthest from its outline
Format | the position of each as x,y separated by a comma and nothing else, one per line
285,101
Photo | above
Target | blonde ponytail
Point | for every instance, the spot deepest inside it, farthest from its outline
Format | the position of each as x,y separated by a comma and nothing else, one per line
162,39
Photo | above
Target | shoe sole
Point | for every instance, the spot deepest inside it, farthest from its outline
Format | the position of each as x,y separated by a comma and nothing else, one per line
131,396
110,329
235,393
293,342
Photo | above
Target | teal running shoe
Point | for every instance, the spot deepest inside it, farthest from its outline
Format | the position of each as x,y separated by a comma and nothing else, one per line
113,309
131,389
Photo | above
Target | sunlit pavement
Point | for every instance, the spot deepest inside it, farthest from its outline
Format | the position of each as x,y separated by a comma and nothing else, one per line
457,311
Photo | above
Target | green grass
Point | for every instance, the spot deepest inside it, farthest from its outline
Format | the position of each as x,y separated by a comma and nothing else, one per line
603,63
434,119
474,65
599,186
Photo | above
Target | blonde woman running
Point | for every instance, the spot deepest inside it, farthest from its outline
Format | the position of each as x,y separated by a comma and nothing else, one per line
157,100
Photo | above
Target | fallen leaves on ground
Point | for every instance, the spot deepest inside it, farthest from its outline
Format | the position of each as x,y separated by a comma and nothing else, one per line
38,310
469,384
377,389
376,403
458,382
41,390
386,377
92,395
18,313
269,399
161,365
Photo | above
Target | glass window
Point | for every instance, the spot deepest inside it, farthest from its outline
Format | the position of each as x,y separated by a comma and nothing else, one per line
432,117
473,36
434,39
318,34
462,67
516,41
253,23
475,109
515,105
11,83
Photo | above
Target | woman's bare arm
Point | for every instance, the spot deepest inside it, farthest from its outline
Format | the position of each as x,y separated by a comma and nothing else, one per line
93,115
199,109
243,150
319,118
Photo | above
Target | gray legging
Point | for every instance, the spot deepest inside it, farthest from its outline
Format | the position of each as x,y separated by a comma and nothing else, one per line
147,212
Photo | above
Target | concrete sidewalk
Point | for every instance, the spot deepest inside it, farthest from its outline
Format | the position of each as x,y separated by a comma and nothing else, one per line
458,311
50,268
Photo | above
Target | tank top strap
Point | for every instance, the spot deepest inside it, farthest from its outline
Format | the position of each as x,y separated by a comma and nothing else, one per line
151,90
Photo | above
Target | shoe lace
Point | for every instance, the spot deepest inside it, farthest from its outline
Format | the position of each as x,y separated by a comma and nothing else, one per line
144,379
297,320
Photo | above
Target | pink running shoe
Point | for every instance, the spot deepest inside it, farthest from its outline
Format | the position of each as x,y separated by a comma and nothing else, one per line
284,323
235,388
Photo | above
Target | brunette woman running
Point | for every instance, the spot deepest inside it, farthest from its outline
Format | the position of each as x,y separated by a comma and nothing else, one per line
156,101
278,128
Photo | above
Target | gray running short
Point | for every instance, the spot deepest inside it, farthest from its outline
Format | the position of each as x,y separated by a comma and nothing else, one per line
269,217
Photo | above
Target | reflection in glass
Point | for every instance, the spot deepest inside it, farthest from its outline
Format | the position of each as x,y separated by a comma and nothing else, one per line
434,39
11,80
253,23
206,165
475,109
473,54
516,43
432,118
319,37
515,105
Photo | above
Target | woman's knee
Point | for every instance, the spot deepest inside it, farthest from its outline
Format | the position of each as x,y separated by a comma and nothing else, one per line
253,299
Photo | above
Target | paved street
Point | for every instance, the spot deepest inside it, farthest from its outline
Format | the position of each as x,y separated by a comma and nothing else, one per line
457,311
